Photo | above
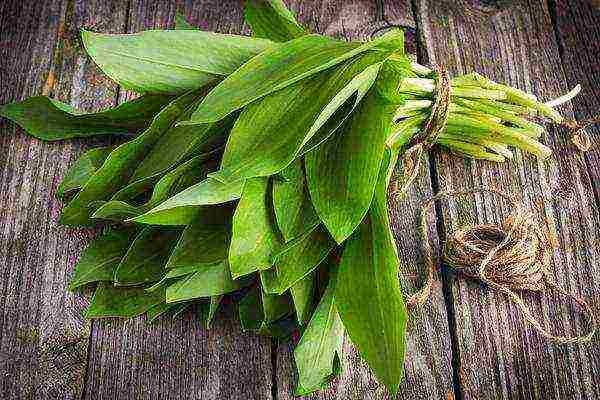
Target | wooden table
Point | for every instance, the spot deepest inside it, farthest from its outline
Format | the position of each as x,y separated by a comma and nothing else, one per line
466,343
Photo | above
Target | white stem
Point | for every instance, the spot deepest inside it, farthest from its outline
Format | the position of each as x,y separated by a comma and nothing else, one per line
420,69
565,97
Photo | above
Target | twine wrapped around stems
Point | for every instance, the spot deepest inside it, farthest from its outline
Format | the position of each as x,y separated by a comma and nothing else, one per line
437,121
508,257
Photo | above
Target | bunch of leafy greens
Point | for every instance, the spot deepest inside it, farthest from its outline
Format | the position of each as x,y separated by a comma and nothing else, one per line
259,170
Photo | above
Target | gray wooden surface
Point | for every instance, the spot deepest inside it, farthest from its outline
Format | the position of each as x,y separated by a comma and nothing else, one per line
466,343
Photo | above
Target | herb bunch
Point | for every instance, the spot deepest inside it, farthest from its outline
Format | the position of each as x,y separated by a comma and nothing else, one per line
259,171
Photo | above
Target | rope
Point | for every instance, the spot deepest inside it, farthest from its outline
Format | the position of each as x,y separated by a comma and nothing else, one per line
508,257
435,125
579,136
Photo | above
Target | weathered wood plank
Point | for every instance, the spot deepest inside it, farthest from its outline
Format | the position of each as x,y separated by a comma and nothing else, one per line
178,359
500,355
429,354
44,336
578,32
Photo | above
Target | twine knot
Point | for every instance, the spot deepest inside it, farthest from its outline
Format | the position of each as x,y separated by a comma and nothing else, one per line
435,125
510,257
579,136
518,263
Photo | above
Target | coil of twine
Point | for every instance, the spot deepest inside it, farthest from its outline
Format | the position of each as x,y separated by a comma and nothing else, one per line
510,257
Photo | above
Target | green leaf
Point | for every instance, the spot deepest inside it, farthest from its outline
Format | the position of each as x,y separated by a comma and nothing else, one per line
169,61
272,20
111,301
178,309
294,211
351,83
254,233
184,206
259,311
136,190
206,281
271,132
146,258
368,294
120,164
303,296
174,146
318,354
301,257
207,310
181,142
172,275
182,23
117,210
274,69
204,242
101,258
157,311
180,178
83,169
164,308
342,172
49,119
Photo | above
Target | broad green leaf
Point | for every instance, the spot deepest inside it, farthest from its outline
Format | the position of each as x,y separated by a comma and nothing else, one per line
181,22
120,164
368,294
157,311
83,169
271,19
179,309
341,106
271,132
173,147
303,293
204,242
205,282
164,308
207,310
294,211
179,178
254,233
184,206
50,119
318,354
111,301
145,260
342,172
172,274
117,210
135,190
273,70
301,257
260,312
170,61
101,258
180,143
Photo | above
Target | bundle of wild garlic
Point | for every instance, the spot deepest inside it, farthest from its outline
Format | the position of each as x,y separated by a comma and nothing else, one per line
260,169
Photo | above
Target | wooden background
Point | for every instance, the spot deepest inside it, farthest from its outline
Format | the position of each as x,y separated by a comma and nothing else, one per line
467,343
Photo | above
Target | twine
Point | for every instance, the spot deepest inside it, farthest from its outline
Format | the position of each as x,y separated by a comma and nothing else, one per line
508,257
579,136
435,125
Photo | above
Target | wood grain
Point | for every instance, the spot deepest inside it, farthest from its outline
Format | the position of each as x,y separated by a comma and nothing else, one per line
429,354
44,336
578,34
44,340
500,356
178,359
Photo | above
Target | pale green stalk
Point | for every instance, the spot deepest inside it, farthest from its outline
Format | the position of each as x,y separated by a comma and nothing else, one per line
470,150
